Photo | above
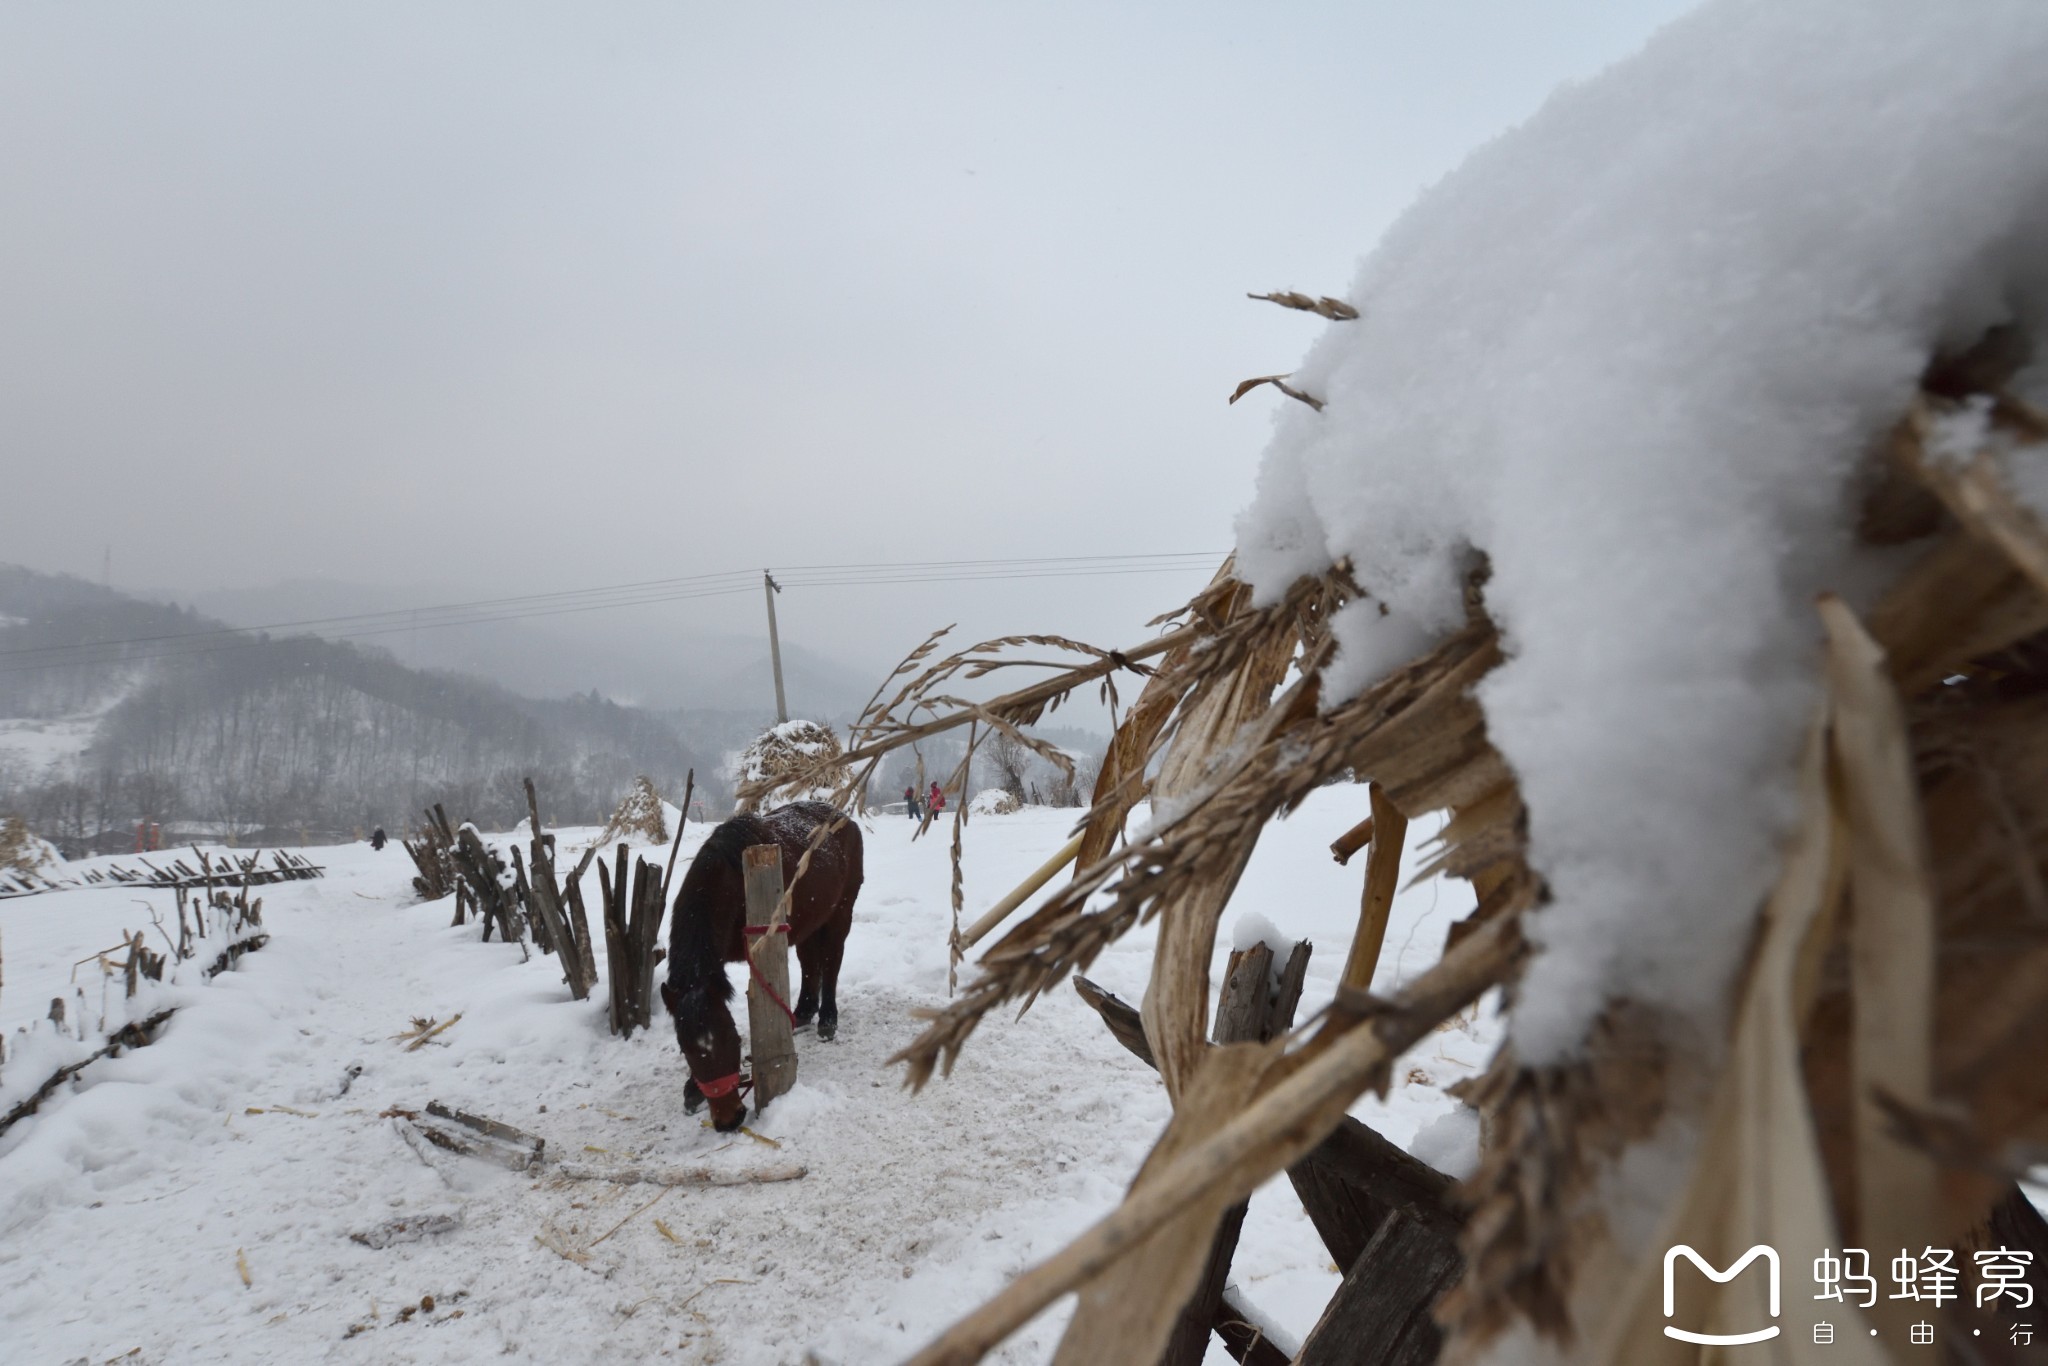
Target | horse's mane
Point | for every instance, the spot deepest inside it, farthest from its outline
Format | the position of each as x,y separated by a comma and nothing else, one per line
696,962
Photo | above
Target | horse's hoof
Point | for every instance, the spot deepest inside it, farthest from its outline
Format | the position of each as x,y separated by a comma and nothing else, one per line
826,1031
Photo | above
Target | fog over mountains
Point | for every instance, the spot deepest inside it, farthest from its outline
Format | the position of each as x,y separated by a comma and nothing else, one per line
612,651
116,710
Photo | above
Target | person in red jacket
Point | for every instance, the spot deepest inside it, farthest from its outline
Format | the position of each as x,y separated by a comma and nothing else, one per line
936,801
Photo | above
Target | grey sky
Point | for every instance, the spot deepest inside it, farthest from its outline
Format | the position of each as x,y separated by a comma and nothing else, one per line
507,298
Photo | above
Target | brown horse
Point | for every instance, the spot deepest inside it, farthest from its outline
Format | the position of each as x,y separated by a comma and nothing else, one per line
709,931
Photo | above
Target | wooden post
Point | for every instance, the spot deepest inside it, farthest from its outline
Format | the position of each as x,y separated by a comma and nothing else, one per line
771,588
768,1021
577,919
1247,1011
642,931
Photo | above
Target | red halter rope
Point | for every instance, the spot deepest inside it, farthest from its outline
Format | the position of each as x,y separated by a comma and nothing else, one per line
755,932
724,1086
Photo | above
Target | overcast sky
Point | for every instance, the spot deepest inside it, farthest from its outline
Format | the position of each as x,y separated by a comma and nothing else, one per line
496,298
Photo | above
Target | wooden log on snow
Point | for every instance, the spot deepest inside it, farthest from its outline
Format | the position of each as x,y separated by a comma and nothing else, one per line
491,1128
769,1025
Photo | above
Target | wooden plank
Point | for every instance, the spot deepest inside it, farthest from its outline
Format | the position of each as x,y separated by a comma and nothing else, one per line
1381,1313
768,1021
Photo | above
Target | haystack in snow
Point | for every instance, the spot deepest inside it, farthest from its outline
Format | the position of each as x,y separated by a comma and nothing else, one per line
639,816
1674,519
796,759
25,853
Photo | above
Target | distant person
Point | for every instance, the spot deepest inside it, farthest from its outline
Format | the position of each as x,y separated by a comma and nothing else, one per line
910,802
937,801
377,838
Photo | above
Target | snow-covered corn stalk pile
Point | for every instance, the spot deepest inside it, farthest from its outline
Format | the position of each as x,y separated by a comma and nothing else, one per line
28,863
1672,519
786,751
638,816
128,992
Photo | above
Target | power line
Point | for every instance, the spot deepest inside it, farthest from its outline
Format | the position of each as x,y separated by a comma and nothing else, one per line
486,611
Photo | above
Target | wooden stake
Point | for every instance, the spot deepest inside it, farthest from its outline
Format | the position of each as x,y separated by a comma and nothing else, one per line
1246,1012
768,1021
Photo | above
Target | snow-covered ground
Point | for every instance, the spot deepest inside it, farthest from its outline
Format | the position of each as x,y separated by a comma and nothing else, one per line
130,1204
39,746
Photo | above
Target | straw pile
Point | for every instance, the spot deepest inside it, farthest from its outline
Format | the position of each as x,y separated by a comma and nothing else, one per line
1882,1072
24,852
638,817
797,758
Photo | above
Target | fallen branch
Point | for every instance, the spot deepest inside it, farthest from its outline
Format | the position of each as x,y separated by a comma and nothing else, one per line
134,1036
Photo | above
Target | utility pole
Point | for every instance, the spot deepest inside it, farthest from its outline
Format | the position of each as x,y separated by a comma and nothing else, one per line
770,587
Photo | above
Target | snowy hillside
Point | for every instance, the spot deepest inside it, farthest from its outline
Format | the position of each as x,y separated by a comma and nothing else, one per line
124,1206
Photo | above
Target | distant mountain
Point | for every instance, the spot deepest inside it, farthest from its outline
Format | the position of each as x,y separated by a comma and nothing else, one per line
574,653
190,722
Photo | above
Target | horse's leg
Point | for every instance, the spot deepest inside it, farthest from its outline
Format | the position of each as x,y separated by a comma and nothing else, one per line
833,951
810,955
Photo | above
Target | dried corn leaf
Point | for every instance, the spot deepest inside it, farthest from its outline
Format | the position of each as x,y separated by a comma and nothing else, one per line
1278,382
1892,933
1758,1178
1336,310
